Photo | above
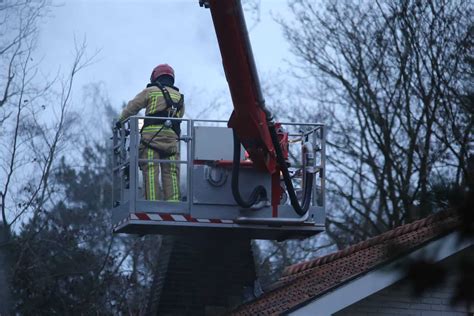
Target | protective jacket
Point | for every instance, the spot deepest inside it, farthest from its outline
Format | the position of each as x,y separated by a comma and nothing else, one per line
154,102
158,141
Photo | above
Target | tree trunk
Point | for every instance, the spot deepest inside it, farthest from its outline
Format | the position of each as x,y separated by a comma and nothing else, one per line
5,272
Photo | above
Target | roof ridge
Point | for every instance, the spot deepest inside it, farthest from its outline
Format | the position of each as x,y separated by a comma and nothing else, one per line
398,231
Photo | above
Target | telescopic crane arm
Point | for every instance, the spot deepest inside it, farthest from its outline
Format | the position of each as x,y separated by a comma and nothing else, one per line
250,119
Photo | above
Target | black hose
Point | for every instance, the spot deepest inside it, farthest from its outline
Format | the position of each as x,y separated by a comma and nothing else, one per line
257,195
308,185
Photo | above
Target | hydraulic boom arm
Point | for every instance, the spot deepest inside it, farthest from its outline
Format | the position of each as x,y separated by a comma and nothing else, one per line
250,118
251,121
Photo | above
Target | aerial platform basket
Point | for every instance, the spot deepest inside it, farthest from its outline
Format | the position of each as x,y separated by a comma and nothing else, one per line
207,204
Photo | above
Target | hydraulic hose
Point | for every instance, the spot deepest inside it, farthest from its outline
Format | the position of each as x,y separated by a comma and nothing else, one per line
308,185
258,194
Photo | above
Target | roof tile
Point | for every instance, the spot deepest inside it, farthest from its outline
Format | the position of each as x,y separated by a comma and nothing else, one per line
307,280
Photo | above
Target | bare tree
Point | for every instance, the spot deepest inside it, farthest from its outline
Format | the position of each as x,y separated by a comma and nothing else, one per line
388,77
17,42
35,118
253,9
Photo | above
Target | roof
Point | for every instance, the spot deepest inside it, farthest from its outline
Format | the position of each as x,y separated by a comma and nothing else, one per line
304,282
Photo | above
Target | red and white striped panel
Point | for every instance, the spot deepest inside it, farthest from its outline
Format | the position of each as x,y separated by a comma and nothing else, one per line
177,218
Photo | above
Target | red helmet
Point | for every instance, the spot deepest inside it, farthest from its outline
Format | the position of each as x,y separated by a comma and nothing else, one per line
163,69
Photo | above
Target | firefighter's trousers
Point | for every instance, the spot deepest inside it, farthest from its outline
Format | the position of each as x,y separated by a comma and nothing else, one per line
161,147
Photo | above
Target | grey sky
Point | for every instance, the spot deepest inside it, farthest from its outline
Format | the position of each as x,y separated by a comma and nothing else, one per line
134,36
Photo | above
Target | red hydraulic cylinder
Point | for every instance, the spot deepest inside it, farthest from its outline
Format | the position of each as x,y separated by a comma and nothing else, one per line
249,118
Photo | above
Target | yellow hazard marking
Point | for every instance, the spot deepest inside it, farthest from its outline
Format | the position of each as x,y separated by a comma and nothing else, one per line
153,128
174,96
174,180
151,176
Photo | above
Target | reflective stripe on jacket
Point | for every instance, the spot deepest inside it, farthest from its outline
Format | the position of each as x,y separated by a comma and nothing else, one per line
152,100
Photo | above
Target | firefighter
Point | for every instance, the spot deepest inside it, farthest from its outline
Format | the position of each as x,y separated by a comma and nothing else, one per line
159,137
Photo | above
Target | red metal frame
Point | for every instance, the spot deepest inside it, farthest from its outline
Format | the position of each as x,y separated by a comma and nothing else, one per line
248,118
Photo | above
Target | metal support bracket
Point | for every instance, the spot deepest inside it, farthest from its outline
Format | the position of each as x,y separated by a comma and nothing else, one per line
272,221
